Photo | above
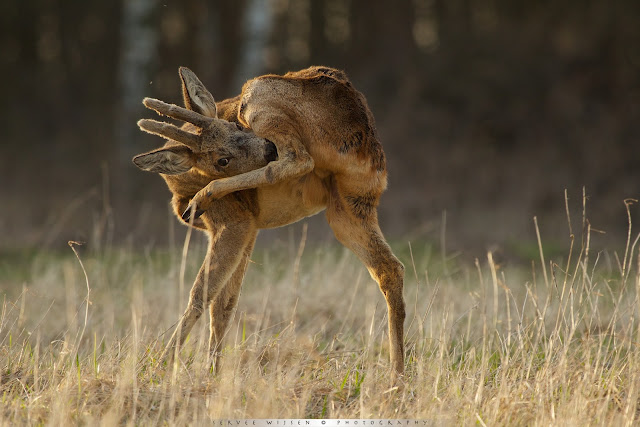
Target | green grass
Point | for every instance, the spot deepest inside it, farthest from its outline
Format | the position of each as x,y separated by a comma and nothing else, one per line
485,344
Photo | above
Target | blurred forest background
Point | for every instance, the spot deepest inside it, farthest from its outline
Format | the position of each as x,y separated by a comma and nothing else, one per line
487,109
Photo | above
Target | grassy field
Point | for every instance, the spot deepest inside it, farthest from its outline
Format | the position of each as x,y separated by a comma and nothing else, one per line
548,341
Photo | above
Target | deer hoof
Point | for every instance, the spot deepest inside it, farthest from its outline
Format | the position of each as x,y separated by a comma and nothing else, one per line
186,215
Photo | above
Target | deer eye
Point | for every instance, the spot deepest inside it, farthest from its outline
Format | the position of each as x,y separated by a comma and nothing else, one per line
239,126
223,161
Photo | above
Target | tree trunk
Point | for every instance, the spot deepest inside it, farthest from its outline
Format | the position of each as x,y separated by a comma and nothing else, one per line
257,23
139,41
138,51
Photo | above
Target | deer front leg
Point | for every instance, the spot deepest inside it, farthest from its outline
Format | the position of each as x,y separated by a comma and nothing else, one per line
293,161
225,251
223,306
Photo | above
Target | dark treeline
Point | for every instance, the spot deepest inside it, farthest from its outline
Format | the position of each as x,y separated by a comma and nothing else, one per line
488,109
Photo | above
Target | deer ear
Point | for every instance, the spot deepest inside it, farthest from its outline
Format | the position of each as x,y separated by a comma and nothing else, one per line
196,97
172,160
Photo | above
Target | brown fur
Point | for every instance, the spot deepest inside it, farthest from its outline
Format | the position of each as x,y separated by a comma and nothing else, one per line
329,157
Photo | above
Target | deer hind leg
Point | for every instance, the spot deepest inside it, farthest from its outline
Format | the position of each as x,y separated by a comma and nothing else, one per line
353,219
226,249
222,307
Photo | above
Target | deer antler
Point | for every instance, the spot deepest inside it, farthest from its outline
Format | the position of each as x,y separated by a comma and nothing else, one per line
177,112
170,131
167,130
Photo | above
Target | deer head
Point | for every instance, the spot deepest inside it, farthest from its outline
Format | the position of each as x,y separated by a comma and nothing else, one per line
214,147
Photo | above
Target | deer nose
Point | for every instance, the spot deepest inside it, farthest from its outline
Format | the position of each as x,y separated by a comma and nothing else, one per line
270,152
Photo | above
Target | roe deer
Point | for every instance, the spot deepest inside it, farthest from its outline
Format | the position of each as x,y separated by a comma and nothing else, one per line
328,157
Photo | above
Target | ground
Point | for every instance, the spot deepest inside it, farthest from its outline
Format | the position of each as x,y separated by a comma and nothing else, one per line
485,343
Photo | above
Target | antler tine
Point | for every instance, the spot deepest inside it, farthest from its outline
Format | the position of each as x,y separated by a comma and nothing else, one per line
177,112
167,130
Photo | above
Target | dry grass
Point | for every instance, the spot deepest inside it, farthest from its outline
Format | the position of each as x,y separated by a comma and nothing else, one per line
552,344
